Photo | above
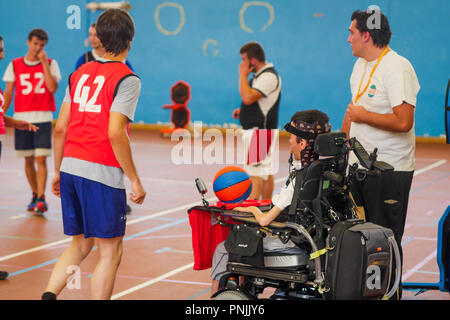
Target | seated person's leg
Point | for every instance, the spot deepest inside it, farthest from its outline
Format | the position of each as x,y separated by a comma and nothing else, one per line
219,266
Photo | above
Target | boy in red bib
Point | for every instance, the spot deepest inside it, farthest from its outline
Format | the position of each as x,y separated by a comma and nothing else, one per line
8,121
34,79
92,153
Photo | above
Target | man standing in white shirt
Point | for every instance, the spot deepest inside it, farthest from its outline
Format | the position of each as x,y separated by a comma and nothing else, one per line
384,89
34,79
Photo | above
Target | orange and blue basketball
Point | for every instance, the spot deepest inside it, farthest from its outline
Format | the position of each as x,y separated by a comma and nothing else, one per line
232,184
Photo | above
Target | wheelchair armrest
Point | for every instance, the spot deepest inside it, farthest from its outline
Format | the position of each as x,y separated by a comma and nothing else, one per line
273,224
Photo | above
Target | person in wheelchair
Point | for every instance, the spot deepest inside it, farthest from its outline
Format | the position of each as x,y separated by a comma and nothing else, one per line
303,128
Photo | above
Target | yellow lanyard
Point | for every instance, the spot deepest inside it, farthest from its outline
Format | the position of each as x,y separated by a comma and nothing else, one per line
358,95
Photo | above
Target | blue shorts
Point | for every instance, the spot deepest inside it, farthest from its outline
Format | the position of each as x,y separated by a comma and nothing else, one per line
92,208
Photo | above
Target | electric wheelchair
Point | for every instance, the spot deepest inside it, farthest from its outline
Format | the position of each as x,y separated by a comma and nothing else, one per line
324,204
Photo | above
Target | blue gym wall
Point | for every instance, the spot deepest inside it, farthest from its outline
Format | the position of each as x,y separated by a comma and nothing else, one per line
306,41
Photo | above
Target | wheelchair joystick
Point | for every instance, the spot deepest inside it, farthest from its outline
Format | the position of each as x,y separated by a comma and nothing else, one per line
201,187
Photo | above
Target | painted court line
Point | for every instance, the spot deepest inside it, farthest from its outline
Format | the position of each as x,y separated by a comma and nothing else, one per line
429,167
418,266
67,240
152,281
45,246
190,265
95,247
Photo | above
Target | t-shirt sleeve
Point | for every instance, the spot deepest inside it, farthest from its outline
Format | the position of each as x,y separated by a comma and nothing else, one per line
127,97
265,83
353,84
9,76
402,85
79,62
54,69
67,96
284,198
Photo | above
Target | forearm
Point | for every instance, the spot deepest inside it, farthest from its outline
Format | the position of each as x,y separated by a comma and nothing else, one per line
388,122
50,80
120,144
8,96
244,89
401,120
9,122
59,135
264,219
59,140
346,124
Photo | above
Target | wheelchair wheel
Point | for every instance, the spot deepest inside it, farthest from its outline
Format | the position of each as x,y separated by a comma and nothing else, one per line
232,295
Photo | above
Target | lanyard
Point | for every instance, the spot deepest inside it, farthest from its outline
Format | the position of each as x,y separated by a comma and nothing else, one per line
358,95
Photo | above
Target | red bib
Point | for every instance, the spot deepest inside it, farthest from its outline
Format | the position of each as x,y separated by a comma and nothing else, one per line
31,92
93,87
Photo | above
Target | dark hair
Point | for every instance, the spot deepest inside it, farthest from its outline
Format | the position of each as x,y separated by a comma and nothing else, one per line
381,34
310,116
1,38
39,33
313,117
115,30
253,50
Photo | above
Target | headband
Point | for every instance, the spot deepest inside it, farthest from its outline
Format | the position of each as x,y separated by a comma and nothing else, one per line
299,133
309,132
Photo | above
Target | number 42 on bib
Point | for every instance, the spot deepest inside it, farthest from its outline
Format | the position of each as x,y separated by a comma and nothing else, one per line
82,94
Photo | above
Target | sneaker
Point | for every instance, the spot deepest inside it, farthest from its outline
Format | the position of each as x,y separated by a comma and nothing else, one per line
32,205
41,205
48,296
3,275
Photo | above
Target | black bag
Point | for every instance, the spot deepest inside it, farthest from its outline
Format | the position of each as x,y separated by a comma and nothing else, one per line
245,245
358,261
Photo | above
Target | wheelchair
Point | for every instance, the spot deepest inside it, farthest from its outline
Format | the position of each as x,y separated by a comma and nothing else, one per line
324,201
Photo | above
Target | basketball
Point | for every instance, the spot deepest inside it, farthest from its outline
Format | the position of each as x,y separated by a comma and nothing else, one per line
232,184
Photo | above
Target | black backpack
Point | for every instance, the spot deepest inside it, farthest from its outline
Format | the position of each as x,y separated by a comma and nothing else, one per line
358,263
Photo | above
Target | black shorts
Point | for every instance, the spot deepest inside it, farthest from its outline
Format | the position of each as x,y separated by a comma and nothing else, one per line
29,143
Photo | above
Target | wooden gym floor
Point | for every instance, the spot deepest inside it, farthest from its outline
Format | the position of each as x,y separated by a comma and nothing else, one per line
157,260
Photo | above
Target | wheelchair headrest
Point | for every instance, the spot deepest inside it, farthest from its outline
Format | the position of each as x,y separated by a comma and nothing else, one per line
330,144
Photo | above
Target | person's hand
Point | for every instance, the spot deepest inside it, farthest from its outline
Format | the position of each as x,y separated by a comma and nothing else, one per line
138,193
236,113
245,68
42,56
55,186
356,113
24,125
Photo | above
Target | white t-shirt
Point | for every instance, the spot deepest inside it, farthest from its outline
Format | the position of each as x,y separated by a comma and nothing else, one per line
284,197
33,116
393,82
269,84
